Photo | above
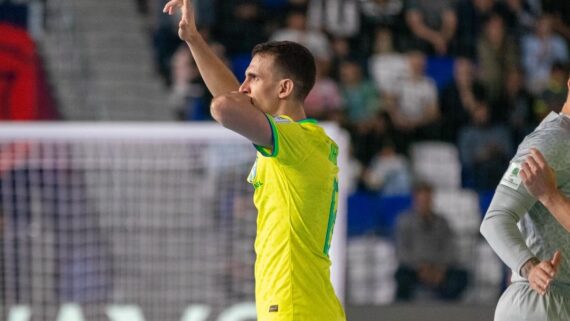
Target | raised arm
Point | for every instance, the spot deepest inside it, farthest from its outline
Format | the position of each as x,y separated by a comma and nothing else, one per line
232,109
218,77
540,181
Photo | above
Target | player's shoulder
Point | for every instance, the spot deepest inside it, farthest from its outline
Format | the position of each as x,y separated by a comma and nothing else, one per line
551,138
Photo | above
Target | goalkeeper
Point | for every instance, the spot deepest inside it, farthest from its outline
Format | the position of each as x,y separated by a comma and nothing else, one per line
530,236
294,176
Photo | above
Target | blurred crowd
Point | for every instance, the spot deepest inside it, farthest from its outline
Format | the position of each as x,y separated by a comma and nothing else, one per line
479,74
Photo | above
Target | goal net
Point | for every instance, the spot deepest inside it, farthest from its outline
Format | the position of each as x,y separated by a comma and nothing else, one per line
131,222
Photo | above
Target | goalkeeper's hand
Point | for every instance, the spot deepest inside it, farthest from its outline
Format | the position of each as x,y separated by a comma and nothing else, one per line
542,274
187,27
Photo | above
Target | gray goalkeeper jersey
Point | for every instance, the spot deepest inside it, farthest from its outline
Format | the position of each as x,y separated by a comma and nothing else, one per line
517,226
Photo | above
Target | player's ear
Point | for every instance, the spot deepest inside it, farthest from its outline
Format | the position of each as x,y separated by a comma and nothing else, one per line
286,87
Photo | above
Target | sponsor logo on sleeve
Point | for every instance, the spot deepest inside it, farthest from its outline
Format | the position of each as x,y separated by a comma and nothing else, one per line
511,178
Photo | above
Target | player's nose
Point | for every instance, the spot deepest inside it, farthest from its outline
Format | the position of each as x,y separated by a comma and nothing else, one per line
244,88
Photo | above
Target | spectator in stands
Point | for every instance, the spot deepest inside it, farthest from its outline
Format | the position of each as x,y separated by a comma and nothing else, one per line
540,51
165,42
189,98
296,30
165,34
341,52
241,25
432,23
560,12
552,98
324,102
472,14
496,54
515,105
368,125
388,172
361,99
484,148
380,14
386,66
414,109
426,251
362,111
458,98
369,138
520,16
340,18
384,13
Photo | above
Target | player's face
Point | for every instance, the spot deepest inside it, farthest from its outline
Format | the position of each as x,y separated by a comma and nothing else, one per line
262,84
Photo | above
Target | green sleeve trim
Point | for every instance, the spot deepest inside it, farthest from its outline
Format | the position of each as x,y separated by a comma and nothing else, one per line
265,151
332,218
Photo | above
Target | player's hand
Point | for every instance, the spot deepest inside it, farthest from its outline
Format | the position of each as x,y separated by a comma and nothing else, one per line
187,26
538,177
542,274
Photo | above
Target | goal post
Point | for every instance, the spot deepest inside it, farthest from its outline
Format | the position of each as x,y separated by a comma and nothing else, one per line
156,215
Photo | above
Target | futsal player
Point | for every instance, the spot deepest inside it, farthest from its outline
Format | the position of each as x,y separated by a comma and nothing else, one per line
294,176
526,236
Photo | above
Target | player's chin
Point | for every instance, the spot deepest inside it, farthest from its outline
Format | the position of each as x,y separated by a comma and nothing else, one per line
255,103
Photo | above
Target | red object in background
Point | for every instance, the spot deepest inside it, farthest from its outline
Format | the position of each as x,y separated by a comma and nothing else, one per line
18,75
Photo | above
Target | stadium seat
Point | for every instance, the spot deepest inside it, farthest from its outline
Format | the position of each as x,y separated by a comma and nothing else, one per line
362,209
436,163
373,263
487,274
485,198
389,208
440,69
461,209
373,214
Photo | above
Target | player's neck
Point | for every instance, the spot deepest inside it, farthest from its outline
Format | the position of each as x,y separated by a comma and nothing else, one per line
566,108
294,110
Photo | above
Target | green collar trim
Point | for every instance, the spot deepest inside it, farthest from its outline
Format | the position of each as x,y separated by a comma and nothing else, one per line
302,121
308,120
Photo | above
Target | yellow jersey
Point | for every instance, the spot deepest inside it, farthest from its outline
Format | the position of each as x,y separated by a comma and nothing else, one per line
296,197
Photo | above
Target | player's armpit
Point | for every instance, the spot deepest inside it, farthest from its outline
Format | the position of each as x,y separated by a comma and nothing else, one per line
235,112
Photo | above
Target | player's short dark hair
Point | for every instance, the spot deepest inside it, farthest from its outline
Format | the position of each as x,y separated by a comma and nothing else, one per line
293,61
